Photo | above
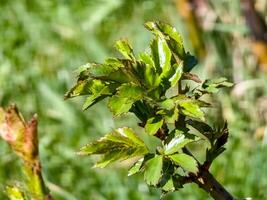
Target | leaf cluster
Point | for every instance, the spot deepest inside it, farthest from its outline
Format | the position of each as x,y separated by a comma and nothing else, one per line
139,84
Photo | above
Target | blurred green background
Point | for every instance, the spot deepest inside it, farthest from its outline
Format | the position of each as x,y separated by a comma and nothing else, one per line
43,42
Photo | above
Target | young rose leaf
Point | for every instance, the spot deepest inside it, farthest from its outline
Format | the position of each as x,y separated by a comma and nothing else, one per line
81,69
168,110
120,144
112,70
153,125
152,79
101,70
178,142
139,165
153,170
177,75
222,136
167,104
213,85
98,91
185,161
125,97
161,55
92,99
119,105
116,63
136,167
130,90
169,186
170,116
146,58
79,89
191,109
202,128
173,38
125,49
147,74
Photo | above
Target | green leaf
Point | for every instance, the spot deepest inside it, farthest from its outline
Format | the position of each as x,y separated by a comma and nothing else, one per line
202,128
111,70
146,58
14,193
213,85
153,170
130,90
153,125
119,105
136,167
151,77
100,70
170,116
126,95
173,38
161,55
79,89
83,68
191,109
125,49
120,144
177,75
218,140
146,74
178,142
98,91
167,104
185,161
169,186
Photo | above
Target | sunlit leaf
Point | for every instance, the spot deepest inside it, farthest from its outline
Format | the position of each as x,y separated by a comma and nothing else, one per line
111,70
15,193
146,73
213,85
130,90
177,75
119,105
169,186
170,116
126,95
191,109
178,142
167,104
161,55
153,170
98,91
120,144
79,89
153,125
136,167
185,161
125,49
174,39
99,70
146,58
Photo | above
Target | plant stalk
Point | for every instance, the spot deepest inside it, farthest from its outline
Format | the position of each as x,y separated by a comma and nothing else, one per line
34,180
207,182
